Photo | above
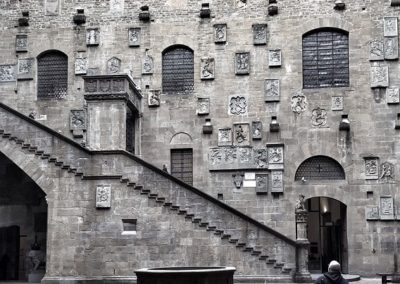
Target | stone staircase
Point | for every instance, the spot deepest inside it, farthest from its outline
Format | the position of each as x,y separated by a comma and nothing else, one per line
266,251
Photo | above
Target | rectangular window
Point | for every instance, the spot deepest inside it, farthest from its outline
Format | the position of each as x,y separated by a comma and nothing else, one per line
129,226
182,164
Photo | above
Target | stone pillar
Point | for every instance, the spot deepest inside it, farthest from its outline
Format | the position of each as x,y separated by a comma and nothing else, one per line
109,100
302,275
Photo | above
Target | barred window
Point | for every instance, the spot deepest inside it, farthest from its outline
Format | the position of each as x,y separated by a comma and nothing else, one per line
182,164
52,75
320,168
325,59
177,70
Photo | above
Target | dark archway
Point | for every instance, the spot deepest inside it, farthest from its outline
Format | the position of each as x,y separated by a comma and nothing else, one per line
23,225
326,231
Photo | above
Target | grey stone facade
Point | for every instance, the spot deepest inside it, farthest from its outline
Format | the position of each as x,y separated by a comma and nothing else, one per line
88,240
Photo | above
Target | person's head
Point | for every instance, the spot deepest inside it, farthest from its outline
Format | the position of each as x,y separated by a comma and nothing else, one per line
334,266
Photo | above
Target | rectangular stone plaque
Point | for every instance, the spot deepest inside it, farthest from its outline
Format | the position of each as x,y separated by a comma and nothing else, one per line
376,50
241,134
390,26
262,183
7,73
276,181
52,7
272,90
392,95
21,43
260,34
275,154
25,68
225,137
81,64
242,63
391,48
134,37
220,33
371,167
207,68
379,76
386,208
337,103
92,37
256,130
203,106
103,196
371,213
249,176
154,98
249,183
274,58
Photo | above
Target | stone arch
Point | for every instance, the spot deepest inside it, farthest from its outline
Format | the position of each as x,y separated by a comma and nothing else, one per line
326,22
320,168
181,138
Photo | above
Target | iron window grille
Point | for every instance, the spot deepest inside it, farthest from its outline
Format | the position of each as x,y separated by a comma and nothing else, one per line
320,168
52,75
325,59
182,164
178,71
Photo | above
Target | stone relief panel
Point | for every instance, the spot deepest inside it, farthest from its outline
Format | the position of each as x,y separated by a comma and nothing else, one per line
25,68
134,37
386,172
154,98
379,76
77,122
220,33
372,213
21,43
376,50
391,48
92,37
337,103
238,180
52,7
238,105
225,137
241,4
245,155
274,58
276,181
272,90
298,103
203,106
275,155
81,65
261,183
7,73
147,65
386,208
390,26
371,168
319,117
242,63
392,95
113,65
261,158
256,130
241,134
259,34
207,68
103,196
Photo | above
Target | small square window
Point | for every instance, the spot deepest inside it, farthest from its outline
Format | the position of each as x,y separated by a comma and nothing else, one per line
129,226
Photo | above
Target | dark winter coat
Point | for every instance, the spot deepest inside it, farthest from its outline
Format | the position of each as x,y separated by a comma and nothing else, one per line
334,277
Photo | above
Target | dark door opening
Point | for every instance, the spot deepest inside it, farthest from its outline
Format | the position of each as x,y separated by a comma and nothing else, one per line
9,253
326,233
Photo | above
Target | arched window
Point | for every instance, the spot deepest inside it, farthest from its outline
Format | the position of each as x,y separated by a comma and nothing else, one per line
325,59
177,70
52,75
320,168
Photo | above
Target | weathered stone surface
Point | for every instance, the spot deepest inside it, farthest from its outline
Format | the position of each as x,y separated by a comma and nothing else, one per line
21,43
25,68
103,196
81,64
390,26
272,90
134,37
259,34
242,63
92,37
379,76
392,95
7,73
203,106
275,58
376,50
207,67
220,33
391,47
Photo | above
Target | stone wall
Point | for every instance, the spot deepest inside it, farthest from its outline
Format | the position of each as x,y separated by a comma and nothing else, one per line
372,119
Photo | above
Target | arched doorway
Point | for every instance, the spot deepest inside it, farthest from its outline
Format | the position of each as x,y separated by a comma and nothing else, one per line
23,225
326,233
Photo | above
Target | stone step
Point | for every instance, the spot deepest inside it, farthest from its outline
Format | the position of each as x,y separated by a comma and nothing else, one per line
233,241
182,212
145,191
72,170
203,224
160,199
279,265
130,183
225,236
167,204
45,156
19,141
65,167
247,248
218,232
240,244
24,145
174,207
39,152
271,261
286,270
78,174
189,216
6,135
59,163
196,220
263,257
124,180
211,228
153,195
256,252
52,159
32,149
